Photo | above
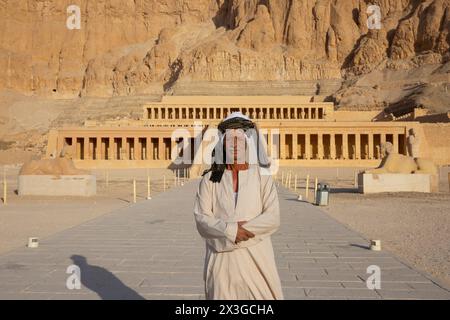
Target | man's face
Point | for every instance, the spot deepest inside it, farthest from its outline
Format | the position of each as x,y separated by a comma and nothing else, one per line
235,144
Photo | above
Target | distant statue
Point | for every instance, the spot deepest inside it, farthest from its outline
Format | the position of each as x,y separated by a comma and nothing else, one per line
67,152
413,144
399,163
378,152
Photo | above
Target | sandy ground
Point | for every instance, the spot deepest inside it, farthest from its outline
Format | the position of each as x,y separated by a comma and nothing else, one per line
413,226
32,216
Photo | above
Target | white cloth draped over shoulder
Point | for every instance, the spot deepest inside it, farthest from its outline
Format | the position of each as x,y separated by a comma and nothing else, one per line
247,270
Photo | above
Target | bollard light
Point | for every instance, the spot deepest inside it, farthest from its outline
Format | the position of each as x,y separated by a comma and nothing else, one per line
375,245
33,242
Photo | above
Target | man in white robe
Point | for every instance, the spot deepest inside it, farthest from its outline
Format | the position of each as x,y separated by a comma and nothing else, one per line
239,261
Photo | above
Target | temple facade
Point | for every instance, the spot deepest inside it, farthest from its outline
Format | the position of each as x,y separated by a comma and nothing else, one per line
298,132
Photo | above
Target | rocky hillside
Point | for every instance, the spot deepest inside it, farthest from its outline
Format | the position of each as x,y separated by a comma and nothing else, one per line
139,47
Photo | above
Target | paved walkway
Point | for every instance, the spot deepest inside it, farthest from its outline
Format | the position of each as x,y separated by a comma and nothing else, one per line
151,250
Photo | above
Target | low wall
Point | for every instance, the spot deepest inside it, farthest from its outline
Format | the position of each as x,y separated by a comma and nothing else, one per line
53,185
396,182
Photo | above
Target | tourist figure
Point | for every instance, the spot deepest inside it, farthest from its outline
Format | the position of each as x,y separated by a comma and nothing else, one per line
236,211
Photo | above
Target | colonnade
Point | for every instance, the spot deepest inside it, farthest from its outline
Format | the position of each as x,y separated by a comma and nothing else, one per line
285,145
217,113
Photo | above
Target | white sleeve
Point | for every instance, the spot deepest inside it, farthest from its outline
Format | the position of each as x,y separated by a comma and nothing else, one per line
217,233
268,222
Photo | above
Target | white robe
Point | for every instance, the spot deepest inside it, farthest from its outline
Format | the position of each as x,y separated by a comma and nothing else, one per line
247,270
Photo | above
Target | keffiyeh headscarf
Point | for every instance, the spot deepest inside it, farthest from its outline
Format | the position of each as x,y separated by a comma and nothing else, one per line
255,144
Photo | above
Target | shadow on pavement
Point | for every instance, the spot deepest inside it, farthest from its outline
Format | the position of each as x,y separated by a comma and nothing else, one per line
103,282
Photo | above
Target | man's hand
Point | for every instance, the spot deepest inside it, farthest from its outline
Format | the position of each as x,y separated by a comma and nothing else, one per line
242,233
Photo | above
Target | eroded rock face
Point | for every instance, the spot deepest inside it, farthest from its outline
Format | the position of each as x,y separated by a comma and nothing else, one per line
128,47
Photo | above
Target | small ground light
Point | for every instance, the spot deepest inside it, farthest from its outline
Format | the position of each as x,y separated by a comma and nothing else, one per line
375,245
33,242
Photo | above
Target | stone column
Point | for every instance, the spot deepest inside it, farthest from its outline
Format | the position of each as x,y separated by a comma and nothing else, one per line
123,149
137,149
86,148
358,146
371,146
345,146
282,146
160,148
207,114
294,145
74,148
307,146
383,139
332,146
111,148
395,142
268,113
320,146
269,142
148,148
98,150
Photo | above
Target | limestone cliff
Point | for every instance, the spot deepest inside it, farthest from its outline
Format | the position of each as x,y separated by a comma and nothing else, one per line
136,47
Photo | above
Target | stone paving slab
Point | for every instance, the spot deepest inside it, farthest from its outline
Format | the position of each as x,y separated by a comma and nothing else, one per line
151,250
